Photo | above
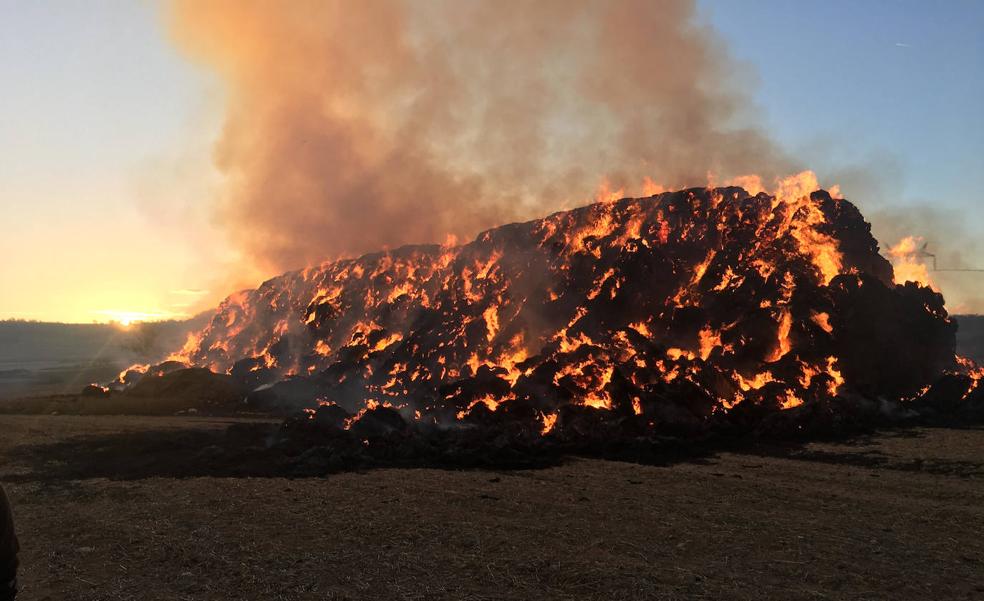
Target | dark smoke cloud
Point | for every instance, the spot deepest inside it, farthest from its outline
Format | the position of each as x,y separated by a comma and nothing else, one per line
353,126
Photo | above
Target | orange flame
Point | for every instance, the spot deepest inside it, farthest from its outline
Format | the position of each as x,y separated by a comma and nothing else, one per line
907,262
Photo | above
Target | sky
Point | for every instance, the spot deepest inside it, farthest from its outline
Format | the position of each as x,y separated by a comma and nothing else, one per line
873,80
104,142
106,131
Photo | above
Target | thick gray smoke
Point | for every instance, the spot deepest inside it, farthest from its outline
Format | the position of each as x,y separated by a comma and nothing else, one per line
354,126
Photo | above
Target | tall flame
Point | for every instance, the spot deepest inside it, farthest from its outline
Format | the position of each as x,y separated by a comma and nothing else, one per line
908,263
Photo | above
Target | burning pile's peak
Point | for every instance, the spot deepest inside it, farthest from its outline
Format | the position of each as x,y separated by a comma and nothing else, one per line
671,308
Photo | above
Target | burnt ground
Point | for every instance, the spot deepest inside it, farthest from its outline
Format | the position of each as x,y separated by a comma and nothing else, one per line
897,515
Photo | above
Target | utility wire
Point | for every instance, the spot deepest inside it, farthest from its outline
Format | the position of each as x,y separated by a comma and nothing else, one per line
922,252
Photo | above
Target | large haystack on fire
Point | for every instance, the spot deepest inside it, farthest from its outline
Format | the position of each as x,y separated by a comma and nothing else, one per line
683,312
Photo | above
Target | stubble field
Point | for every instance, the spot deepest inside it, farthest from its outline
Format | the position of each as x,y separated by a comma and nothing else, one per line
894,516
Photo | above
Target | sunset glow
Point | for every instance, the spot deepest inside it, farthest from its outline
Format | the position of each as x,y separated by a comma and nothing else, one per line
127,318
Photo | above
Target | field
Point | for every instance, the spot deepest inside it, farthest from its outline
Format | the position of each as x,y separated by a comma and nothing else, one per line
894,516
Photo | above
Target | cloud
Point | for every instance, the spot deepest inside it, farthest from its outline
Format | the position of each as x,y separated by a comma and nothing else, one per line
355,126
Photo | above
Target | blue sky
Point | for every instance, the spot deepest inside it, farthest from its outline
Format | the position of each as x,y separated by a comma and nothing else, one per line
874,80
105,134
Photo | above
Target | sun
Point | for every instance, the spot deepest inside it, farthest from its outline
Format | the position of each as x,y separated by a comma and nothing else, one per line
127,319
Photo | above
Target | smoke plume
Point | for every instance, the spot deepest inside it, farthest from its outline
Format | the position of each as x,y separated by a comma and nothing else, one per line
353,126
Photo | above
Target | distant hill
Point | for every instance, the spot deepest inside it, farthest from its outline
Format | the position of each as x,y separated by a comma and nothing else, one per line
42,343
52,358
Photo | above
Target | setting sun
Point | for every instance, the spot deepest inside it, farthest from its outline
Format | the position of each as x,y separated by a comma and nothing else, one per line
128,318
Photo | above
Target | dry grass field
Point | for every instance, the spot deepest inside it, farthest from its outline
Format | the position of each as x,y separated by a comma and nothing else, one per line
895,516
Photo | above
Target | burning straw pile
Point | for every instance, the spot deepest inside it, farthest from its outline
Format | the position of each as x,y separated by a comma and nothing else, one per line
685,313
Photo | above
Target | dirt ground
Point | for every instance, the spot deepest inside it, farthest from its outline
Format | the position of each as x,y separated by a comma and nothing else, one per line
894,516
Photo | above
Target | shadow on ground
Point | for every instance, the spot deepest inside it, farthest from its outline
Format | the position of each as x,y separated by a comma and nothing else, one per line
861,451
261,450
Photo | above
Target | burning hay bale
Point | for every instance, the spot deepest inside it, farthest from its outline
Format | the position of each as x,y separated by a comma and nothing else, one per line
165,388
200,387
95,390
681,313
